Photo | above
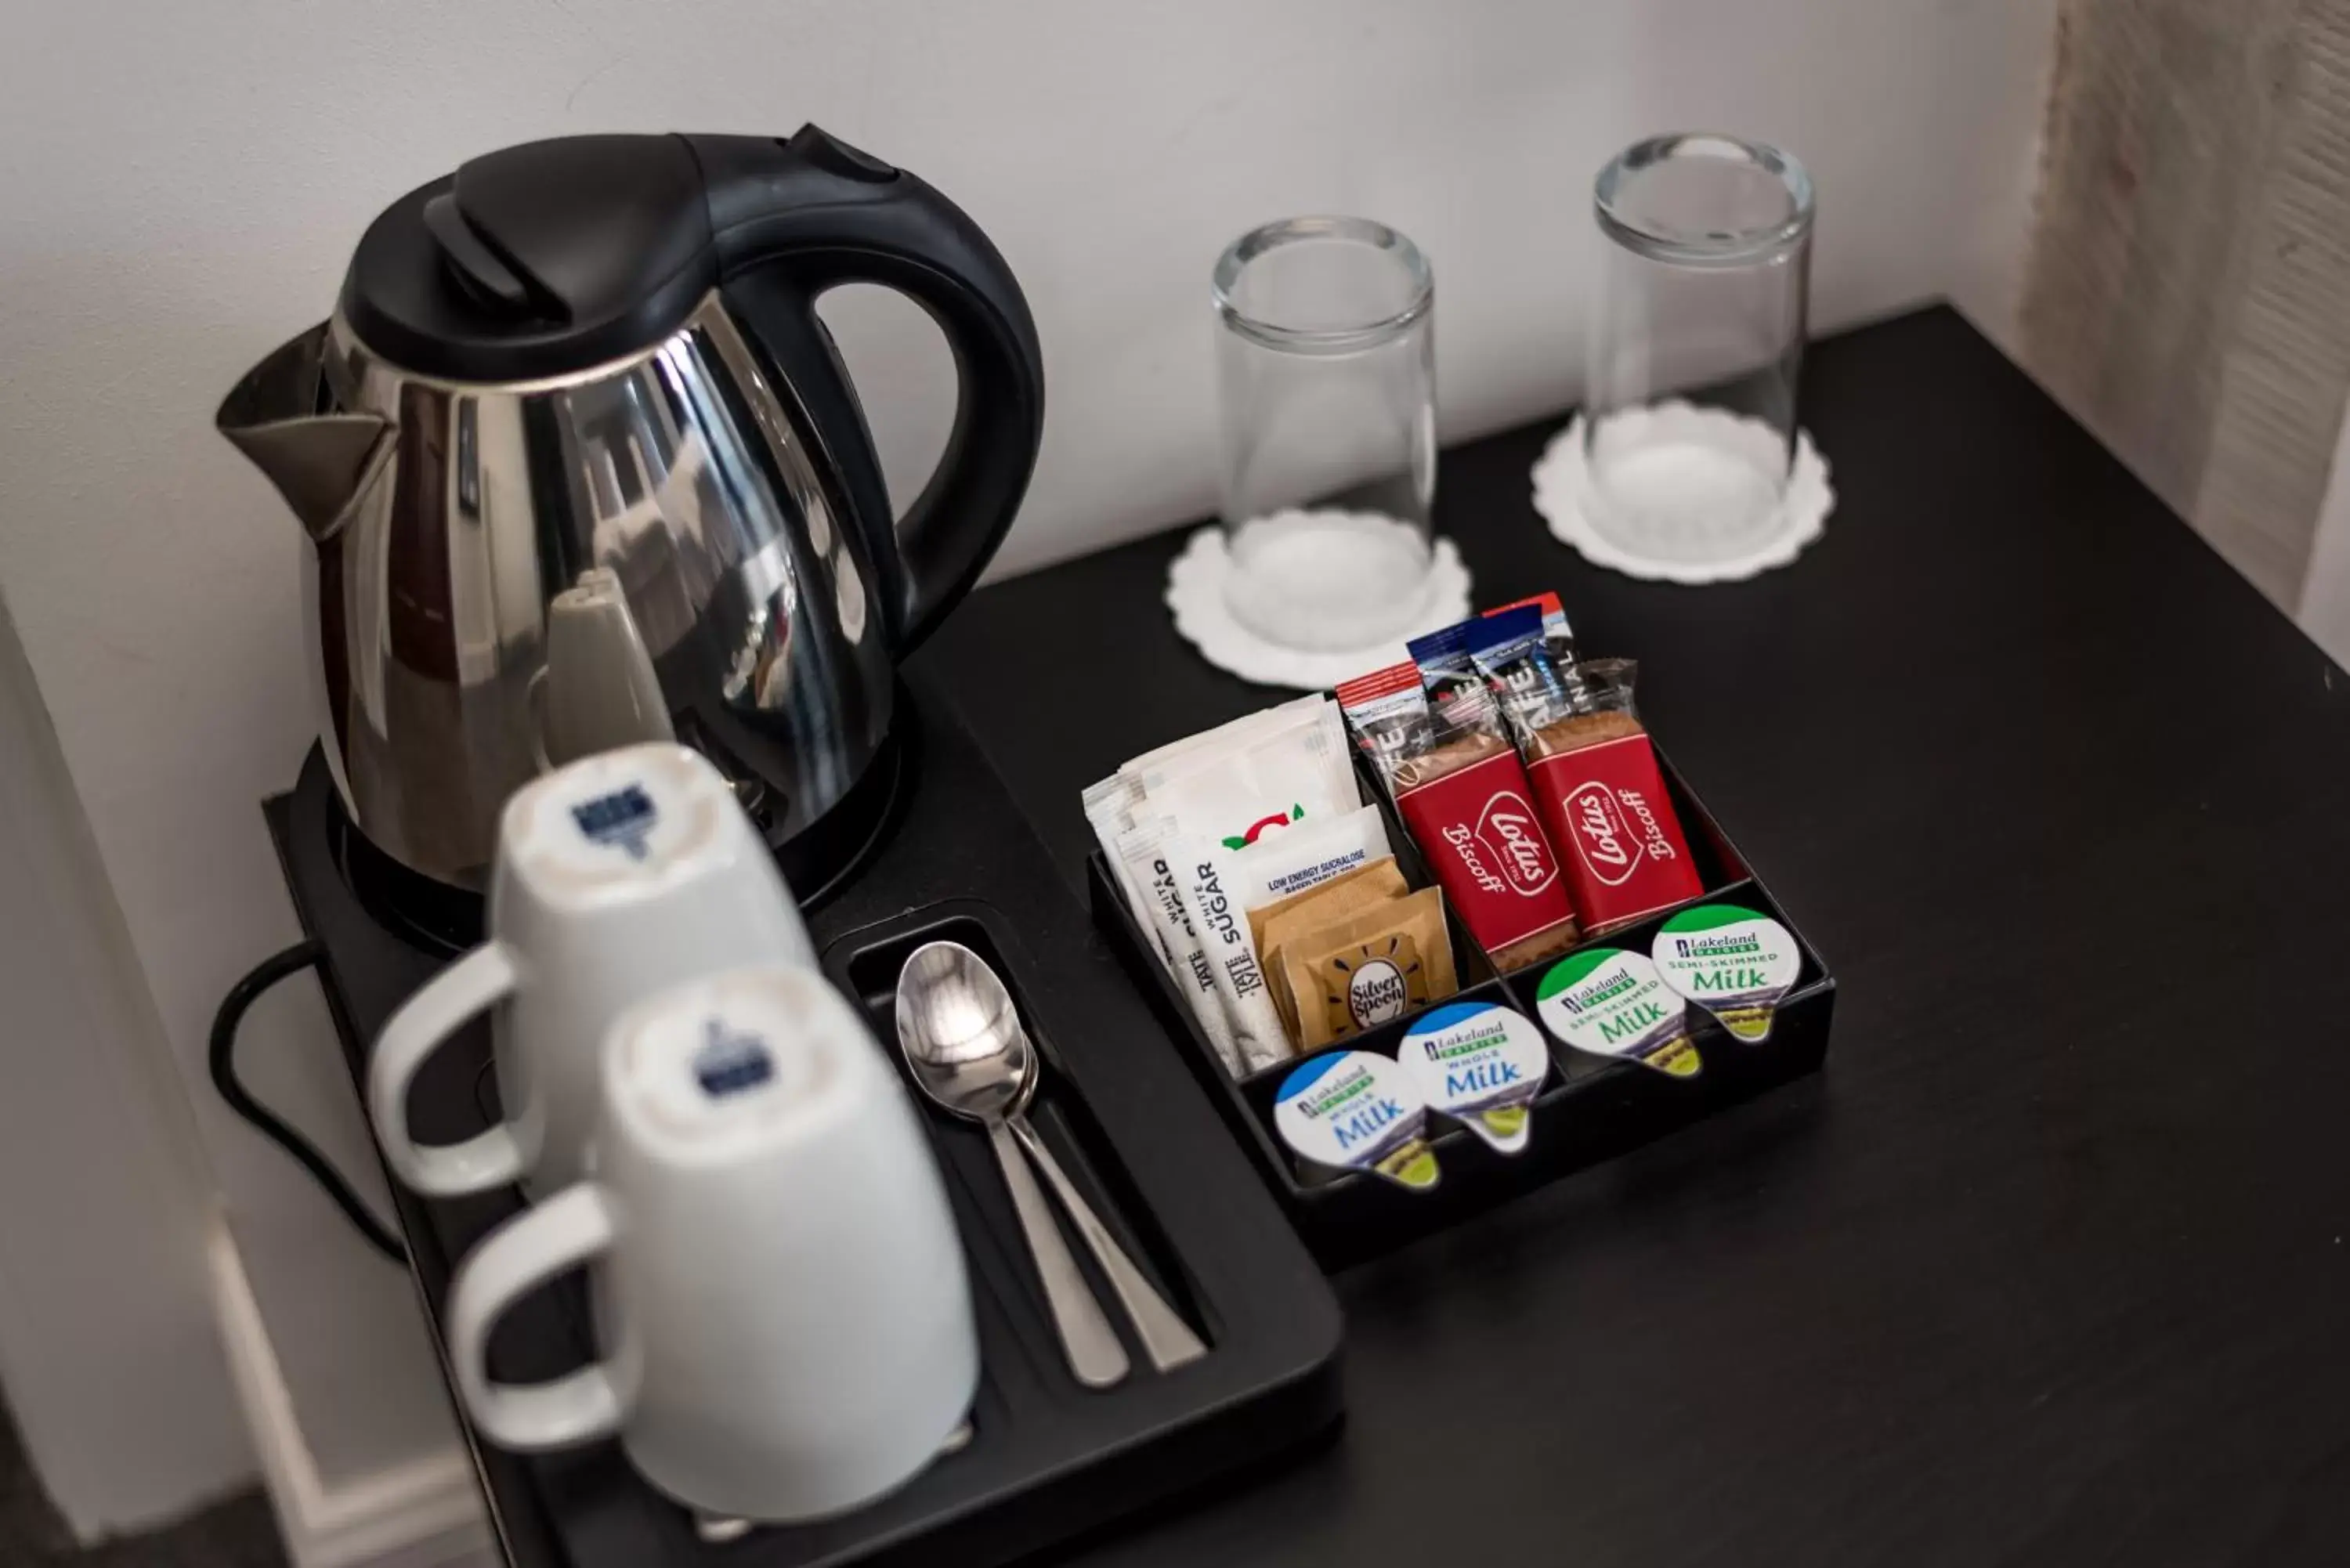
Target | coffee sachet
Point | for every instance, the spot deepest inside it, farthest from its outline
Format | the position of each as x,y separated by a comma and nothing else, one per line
1387,711
1558,638
1512,651
1442,659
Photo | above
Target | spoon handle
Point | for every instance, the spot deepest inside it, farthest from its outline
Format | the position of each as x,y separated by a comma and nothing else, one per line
1166,1338
1086,1338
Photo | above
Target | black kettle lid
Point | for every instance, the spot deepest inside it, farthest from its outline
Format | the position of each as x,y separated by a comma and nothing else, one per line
538,260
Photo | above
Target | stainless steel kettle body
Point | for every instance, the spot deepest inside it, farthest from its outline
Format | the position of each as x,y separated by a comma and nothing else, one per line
676,540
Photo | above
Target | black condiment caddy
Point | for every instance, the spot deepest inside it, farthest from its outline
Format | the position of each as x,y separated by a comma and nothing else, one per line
1590,1109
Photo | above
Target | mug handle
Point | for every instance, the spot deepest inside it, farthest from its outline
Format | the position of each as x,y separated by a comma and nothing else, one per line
527,1250
534,703
490,1158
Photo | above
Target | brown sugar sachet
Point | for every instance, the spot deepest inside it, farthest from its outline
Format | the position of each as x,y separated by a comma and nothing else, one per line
1379,880
1277,923
1372,967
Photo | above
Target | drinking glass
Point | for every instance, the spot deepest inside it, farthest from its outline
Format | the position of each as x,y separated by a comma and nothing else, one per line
1325,369
1696,339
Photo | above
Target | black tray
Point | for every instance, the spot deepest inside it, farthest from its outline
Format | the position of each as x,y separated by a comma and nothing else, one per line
1047,1459
1591,1109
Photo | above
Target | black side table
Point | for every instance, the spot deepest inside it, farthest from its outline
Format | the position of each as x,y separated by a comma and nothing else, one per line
2052,1266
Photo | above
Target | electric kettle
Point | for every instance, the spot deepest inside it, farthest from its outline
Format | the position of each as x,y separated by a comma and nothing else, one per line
579,467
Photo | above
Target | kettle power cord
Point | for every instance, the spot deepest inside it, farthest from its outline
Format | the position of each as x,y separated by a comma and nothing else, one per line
264,975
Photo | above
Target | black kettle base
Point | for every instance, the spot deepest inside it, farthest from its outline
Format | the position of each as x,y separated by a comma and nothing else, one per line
824,856
1048,1461
817,862
428,915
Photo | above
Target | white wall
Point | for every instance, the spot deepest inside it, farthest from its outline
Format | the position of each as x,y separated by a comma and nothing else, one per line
108,1352
184,183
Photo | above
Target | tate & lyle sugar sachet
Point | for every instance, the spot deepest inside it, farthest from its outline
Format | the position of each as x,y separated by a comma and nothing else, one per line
1169,822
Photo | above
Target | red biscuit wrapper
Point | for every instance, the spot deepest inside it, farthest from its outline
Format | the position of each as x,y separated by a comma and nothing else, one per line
1603,798
1462,790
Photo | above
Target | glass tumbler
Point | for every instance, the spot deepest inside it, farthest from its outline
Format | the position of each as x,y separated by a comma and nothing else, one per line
1326,380
1695,343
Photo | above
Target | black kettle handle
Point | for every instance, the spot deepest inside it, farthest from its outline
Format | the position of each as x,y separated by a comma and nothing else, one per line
791,219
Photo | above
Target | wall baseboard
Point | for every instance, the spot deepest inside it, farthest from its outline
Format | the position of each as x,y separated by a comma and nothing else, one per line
427,1513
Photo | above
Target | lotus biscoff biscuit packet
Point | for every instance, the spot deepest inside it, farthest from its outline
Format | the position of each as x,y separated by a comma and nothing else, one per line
1459,787
1604,799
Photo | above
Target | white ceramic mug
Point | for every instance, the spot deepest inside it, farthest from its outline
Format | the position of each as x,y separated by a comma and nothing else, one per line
780,1295
617,877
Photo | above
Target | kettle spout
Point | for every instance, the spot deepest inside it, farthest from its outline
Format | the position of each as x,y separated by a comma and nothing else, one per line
321,459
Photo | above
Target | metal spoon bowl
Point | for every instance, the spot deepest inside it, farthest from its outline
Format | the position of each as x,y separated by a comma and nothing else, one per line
961,1034
963,1040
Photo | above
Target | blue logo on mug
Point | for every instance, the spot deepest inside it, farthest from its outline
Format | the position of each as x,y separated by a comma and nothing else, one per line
625,817
730,1060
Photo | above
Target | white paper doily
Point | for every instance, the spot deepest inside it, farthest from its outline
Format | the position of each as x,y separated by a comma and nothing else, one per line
1195,592
1684,553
